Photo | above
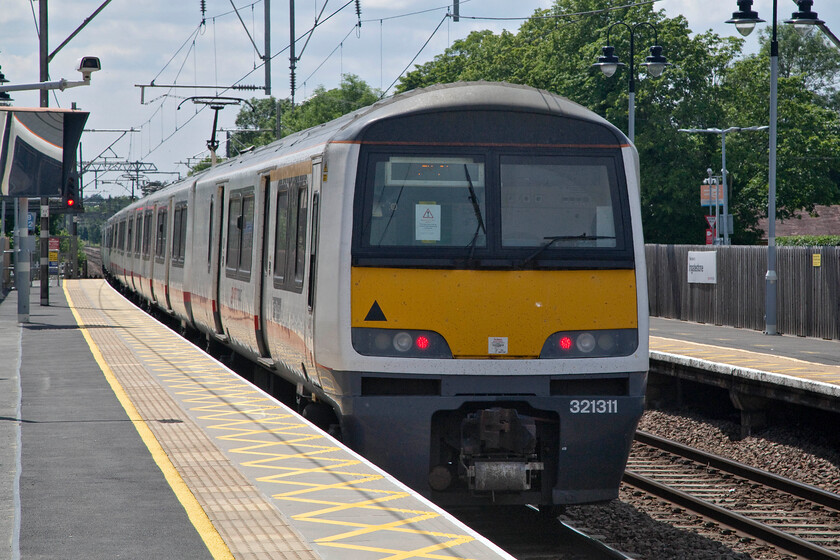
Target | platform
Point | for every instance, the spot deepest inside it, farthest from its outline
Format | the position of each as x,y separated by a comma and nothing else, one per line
119,439
795,361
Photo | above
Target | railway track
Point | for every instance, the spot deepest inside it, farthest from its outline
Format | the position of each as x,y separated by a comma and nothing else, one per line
798,518
94,262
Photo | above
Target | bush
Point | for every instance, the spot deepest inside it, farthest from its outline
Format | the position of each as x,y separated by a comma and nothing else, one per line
808,240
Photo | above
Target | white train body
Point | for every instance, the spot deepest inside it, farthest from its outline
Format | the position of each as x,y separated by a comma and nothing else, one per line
385,264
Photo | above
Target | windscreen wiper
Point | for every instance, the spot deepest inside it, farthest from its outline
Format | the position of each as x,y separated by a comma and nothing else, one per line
477,210
551,240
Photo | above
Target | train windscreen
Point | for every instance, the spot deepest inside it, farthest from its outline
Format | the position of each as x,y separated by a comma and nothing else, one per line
519,207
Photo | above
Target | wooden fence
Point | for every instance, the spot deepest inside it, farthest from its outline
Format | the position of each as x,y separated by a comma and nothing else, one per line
808,288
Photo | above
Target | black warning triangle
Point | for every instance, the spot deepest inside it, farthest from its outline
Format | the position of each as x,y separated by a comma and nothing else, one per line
375,313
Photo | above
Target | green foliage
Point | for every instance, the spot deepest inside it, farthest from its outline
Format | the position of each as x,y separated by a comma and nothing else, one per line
809,241
708,86
261,116
205,163
324,106
97,212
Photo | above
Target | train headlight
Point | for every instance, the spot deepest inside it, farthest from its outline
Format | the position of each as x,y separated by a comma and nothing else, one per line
591,344
403,342
400,343
585,342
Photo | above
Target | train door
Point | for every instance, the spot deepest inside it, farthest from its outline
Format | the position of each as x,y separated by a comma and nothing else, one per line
129,250
153,257
217,204
169,219
264,286
312,261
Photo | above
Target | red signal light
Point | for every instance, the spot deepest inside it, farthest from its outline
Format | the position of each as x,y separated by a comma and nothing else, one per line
422,342
566,343
70,202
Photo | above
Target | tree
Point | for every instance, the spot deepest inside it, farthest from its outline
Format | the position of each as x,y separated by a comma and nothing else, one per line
809,57
808,141
205,163
555,52
261,116
324,105
708,86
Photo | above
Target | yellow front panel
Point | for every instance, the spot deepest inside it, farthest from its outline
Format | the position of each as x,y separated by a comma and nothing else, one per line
468,307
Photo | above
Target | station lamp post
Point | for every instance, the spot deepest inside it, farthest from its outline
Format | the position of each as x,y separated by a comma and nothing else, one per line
723,133
655,65
745,20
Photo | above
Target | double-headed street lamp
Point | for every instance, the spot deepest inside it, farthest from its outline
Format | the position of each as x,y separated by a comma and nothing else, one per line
725,222
745,20
655,64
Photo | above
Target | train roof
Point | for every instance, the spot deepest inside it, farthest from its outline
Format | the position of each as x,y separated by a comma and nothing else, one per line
439,97
472,95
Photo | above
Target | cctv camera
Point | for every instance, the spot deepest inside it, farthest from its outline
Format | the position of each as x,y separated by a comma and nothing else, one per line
87,65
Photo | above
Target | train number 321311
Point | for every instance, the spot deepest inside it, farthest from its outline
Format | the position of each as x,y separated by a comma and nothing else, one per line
593,406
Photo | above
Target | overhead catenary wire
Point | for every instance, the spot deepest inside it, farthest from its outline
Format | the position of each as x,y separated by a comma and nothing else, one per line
306,37
166,138
416,55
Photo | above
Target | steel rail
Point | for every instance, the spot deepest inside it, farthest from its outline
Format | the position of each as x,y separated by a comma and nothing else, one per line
737,521
793,487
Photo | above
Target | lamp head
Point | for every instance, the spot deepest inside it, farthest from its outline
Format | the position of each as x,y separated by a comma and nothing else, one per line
804,20
655,63
745,19
608,62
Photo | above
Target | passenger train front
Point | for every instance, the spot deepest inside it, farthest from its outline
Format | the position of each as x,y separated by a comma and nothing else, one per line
453,278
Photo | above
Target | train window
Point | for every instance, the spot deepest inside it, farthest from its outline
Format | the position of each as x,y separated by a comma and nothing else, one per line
561,201
427,201
128,236
138,235
313,245
247,234
210,234
147,234
281,237
240,240
234,237
160,241
300,241
179,235
498,206
176,237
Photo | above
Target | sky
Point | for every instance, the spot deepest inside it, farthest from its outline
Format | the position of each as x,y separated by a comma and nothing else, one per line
166,43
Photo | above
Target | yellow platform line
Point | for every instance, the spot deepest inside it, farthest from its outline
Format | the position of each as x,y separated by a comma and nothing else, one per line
214,542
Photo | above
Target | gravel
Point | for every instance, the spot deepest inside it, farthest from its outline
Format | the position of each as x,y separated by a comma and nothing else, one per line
648,529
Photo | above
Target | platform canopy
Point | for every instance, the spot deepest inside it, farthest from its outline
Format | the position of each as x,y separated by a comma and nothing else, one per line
38,150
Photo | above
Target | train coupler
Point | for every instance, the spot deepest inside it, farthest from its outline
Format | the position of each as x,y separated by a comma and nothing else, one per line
501,476
498,450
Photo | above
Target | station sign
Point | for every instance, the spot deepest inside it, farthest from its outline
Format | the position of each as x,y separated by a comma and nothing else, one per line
711,194
702,267
54,248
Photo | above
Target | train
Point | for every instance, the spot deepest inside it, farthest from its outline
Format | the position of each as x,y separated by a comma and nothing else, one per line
452,279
